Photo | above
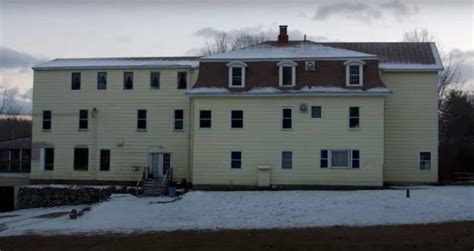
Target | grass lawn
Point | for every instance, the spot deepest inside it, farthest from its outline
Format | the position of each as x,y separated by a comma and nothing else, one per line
442,236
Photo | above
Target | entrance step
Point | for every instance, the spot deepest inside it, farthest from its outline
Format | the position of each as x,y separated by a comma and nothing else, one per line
153,187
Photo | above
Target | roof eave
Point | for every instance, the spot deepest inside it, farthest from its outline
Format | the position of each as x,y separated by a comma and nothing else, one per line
288,94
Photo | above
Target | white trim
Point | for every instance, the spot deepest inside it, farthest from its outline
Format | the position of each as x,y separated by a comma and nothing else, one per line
359,63
199,118
231,76
287,63
349,159
243,124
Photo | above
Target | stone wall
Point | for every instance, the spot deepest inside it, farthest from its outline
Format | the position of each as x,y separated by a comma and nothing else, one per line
60,195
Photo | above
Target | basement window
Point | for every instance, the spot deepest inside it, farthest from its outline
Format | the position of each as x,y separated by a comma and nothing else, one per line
81,159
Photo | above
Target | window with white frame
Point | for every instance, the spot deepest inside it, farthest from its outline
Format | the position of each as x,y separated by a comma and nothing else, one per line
178,120
236,160
237,119
205,119
340,158
286,122
287,73
354,118
425,160
236,73
354,73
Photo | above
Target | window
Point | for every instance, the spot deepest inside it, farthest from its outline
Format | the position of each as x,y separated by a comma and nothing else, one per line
315,111
205,119
286,160
104,160
237,120
287,73
182,80
46,120
237,76
128,80
83,116
102,81
236,160
286,119
355,159
49,159
178,120
141,120
324,159
81,159
76,81
155,80
425,160
340,159
25,160
354,73
354,122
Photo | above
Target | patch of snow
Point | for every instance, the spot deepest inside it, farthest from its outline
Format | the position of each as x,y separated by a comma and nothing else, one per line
303,50
98,63
208,90
263,90
262,210
60,186
397,66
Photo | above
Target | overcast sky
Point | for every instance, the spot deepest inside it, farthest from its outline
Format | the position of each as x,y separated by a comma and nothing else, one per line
32,31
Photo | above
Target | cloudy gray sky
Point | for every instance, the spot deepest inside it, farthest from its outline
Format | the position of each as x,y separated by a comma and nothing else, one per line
32,31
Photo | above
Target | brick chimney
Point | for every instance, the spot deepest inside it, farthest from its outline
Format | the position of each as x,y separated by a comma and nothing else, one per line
283,36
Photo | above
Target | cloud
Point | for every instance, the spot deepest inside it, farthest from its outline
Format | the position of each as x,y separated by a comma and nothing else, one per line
10,59
363,10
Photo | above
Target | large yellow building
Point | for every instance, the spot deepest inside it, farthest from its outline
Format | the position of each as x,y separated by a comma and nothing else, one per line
280,113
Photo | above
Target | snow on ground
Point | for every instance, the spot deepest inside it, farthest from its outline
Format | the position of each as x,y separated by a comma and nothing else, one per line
261,209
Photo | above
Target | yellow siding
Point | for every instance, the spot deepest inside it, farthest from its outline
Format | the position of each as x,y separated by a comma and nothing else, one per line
117,118
411,126
262,141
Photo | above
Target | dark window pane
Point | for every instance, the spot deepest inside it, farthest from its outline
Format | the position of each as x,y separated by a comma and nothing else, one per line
104,160
83,114
287,113
155,80
237,124
46,114
76,81
355,163
141,114
316,111
354,122
102,81
205,124
236,159
355,154
178,125
324,163
237,114
81,159
46,120
237,119
287,75
182,80
236,76
141,124
49,159
128,80
178,114
236,155
205,114
324,154
83,119
286,123
205,119
354,111
286,160
354,75
141,119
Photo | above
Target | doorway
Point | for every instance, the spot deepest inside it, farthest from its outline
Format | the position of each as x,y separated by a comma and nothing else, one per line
160,164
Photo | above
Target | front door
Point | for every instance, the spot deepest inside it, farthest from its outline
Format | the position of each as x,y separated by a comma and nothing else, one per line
159,164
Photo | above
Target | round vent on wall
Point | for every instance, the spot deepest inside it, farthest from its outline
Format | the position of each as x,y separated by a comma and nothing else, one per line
303,108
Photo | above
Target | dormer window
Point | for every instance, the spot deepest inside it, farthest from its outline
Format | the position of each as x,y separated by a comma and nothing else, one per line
354,73
287,73
236,73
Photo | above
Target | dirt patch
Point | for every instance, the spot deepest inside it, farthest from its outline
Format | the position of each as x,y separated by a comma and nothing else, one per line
51,215
445,236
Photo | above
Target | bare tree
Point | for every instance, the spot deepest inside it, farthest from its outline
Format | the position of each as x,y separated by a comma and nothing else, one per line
8,102
452,64
224,41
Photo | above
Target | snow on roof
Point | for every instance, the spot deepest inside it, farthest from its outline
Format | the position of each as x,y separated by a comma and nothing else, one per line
410,67
314,90
294,51
103,63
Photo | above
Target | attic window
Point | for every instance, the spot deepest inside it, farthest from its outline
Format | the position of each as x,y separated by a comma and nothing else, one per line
354,73
236,74
287,73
